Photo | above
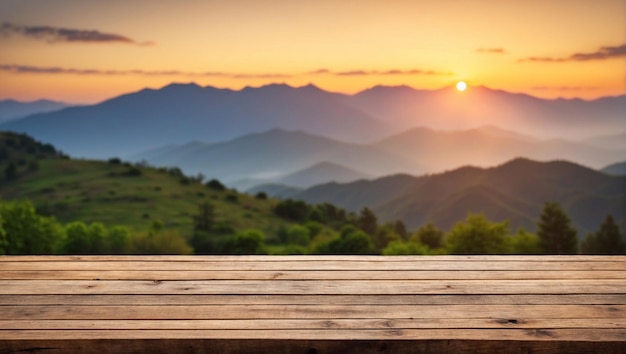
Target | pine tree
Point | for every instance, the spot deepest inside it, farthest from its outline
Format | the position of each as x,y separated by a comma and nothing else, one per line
607,240
401,230
205,219
556,236
368,222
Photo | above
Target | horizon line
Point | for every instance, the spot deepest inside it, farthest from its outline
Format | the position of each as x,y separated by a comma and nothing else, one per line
311,84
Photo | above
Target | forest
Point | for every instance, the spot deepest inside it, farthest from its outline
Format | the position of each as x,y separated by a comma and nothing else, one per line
56,205
318,229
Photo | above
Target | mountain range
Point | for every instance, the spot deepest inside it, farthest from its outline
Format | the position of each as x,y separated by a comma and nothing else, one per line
514,191
367,149
277,154
446,109
297,159
179,113
618,168
487,146
12,109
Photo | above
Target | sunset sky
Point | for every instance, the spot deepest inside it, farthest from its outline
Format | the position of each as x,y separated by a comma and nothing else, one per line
87,51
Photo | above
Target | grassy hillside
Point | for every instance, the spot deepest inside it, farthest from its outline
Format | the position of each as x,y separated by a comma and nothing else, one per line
117,193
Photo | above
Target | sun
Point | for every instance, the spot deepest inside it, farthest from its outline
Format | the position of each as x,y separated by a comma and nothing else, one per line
461,86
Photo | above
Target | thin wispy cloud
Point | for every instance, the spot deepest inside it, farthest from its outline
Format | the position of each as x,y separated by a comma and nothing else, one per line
53,35
491,50
319,72
563,88
603,53
388,72
28,69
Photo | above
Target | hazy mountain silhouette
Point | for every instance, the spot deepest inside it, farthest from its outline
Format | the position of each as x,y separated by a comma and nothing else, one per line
276,153
263,158
448,109
514,191
488,146
12,109
179,113
618,168
610,141
321,172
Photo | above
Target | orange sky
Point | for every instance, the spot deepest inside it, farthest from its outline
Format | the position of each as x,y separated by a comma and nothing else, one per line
338,45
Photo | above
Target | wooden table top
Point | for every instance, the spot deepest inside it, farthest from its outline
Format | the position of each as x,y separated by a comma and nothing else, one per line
313,304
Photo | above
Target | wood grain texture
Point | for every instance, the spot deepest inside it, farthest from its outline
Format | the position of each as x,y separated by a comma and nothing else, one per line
308,275
273,346
341,265
261,299
316,287
313,304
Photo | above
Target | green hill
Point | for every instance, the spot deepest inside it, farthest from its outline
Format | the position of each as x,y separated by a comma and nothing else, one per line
118,193
514,191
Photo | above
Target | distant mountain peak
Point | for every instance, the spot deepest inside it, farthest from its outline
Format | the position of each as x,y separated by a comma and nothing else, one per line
176,85
310,87
523,164
269,87
387,88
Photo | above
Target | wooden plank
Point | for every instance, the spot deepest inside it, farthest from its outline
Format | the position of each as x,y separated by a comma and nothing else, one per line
257,299
271,346
141,300
308,275
282,324
308,287
307,258
566,334
519,312
312,265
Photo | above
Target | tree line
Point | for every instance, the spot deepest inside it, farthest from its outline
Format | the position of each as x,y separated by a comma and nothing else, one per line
311,229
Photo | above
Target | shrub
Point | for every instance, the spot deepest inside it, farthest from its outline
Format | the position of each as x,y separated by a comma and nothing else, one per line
216,185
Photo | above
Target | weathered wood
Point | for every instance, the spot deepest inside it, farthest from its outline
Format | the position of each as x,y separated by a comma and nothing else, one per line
260,299
313,304
567,334
280,324
309,275
273,346
314,311
321,287
314,265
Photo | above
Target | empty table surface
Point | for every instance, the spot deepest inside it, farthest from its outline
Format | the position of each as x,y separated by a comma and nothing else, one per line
313,304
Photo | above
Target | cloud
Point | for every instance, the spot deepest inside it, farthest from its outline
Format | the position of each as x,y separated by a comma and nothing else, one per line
27,69
603,53
59,34
382,73
260,76
491,50
319,71
563,88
